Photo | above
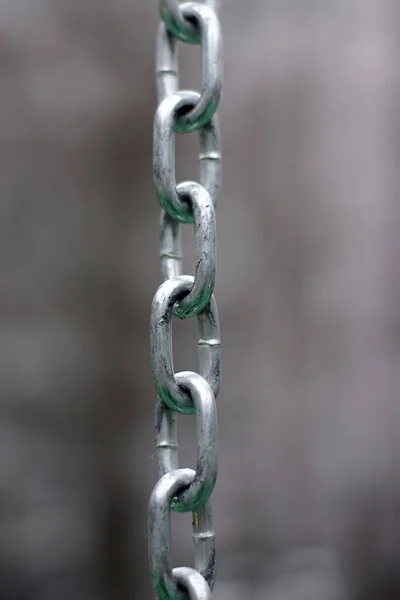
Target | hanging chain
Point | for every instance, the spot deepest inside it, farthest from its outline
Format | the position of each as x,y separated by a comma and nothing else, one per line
187,392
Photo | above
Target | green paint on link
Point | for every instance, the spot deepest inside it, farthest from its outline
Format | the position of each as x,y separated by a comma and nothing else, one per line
182,34
163,592
197,306
182,217
188,126
198,501
174,404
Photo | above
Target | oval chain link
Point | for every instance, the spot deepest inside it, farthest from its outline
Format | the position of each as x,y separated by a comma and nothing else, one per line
164,157
161,344
206,253
207,445
195,23
160,535
185,296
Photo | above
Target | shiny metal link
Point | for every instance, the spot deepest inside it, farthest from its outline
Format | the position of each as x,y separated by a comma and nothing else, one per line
207,25
172,201
211,51
182,29
167,461
161,344
167,74
195,585
205,256
204,275
207,445
159,519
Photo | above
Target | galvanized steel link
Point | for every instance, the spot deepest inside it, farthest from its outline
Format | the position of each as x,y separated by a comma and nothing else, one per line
161,344
159,519
170,251
167,461
164,156
207,445
167,66
209,35
205,256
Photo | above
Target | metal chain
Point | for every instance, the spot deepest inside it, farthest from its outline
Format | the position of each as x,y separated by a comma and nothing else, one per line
181,296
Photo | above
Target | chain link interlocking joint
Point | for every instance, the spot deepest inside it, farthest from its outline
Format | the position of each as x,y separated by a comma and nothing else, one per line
181,112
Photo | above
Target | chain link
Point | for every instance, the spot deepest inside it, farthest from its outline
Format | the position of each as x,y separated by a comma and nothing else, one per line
206,422
184,297
160,536
171,199
161,342
209,35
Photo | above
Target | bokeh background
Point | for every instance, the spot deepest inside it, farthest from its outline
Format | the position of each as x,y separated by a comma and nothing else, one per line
307,503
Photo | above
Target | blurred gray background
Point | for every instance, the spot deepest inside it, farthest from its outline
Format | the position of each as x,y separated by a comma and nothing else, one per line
307,504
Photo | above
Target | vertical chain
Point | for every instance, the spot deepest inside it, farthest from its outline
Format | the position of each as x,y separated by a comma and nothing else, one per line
181,112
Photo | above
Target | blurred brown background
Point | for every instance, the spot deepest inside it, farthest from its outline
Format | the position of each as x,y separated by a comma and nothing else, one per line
307,503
